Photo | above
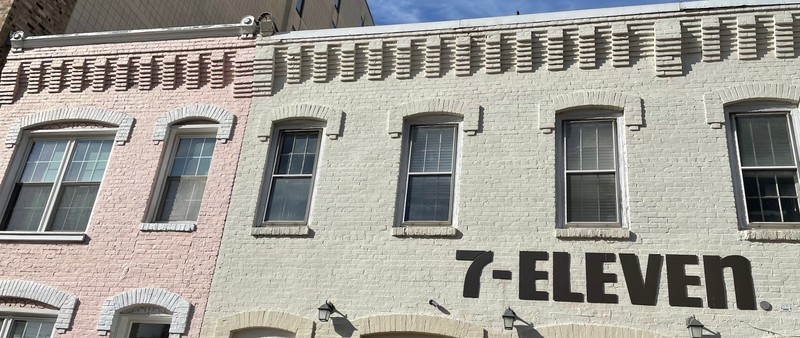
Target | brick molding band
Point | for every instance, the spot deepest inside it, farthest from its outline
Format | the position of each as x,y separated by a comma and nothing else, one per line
43,294
124,122
172,302
470,113
221,116
300,327
716,101
332,117
629,105
583,330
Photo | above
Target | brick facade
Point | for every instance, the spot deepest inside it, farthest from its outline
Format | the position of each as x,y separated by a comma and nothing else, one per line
141,89
669,76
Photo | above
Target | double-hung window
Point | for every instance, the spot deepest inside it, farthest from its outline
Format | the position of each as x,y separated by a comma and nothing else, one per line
292,179
430,174
57,184
767,167
21,327
186,179
590,174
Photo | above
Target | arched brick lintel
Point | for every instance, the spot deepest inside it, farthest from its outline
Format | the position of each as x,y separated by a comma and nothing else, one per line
174,303
299,326
417,324
43,294
332,117
716,101
224,118
629,105
124,122
469,112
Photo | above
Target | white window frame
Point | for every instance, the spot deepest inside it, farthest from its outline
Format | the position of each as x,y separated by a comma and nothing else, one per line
591,115
18,164
299,125
8,317
199,130
125,322
432,120
754,109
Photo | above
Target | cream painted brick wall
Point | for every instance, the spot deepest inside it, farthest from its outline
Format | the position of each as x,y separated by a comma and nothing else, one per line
680,197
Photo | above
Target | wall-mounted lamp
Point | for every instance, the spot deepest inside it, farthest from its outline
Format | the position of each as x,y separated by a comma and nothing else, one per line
325,311
508,319
434,303
695,327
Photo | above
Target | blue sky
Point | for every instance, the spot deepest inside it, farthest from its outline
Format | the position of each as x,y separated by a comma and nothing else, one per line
387,12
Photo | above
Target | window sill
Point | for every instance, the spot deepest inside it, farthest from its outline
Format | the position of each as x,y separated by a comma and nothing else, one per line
594,233
770,235
57,237
168,227
424,231
280,231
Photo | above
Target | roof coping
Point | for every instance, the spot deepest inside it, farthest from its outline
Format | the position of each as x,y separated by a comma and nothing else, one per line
245,29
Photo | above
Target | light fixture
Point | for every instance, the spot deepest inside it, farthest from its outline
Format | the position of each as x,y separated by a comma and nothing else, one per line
695,327
508,319
325,311
434,303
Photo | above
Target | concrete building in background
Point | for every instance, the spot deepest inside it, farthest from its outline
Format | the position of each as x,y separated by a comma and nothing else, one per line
47,17
106,15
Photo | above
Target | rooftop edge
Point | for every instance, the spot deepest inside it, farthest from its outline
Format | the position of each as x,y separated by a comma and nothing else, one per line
532,18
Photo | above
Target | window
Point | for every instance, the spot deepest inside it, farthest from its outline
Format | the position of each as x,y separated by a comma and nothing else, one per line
185,179
57,185
299,7
294,166
589,182
19,327
767,166
337,4
430,174
143,326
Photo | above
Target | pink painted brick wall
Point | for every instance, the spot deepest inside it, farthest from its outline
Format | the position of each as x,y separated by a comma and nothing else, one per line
118,257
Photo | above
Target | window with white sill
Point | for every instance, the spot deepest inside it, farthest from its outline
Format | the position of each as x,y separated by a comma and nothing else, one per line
589,171
56,184
765,160
429,171
182,182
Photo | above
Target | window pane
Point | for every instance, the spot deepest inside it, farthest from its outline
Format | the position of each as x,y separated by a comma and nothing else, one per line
74,207
193,157
771,195
88,161
141,330
590,145
31,329
28,203
43,161
289,199
428,198
298,153
591,198
432,149
764,140
182,198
